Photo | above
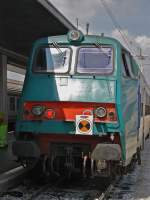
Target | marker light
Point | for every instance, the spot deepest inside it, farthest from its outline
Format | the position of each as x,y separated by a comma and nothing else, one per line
87,112
50,114
38,110
111,116
100,112
75,35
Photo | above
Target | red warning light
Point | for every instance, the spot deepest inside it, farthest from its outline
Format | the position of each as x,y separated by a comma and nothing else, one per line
50,114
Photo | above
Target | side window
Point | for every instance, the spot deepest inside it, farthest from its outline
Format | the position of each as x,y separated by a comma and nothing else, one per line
17,104
147,107
134,67
141,109
12,103
126,64
128,59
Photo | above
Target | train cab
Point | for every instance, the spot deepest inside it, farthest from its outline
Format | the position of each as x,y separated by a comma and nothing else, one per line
79,101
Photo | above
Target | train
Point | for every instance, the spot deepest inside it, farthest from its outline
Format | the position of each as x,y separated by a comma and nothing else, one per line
5,127
84,108
14,89
12,107
13,102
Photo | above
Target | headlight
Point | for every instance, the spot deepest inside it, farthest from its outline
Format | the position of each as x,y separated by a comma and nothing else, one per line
112,116
100,112
75,35
38,110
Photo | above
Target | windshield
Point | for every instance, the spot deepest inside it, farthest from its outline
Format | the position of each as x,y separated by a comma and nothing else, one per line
54,60
95,60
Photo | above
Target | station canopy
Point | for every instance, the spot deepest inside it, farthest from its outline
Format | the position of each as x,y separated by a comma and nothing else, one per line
24,21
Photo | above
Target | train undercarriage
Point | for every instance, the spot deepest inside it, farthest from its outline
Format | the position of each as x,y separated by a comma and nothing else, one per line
71,155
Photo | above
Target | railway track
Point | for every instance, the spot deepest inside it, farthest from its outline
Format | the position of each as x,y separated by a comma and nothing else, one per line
72,193
44,188
12,178
62,189
76,189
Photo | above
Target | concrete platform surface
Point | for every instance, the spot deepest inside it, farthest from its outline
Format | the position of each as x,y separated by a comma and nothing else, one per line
142,186
7,160
135,185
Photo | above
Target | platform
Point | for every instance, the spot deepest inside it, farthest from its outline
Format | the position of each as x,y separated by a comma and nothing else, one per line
142,186
135,185
7,160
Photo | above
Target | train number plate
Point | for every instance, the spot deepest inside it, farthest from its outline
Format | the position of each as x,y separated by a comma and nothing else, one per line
84,124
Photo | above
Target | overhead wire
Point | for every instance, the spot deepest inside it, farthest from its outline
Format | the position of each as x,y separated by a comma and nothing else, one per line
117,26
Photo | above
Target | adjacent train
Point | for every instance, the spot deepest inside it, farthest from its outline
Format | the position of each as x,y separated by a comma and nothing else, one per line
12,106
80,108
14,89
13,102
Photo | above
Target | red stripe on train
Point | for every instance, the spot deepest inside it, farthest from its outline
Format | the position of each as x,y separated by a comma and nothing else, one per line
67,111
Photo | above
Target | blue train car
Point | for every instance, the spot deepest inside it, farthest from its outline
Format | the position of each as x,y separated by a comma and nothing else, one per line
81,104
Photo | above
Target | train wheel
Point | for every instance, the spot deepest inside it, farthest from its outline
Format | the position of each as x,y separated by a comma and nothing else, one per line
113,170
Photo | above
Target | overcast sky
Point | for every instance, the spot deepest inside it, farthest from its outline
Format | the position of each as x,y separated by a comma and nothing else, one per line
132,15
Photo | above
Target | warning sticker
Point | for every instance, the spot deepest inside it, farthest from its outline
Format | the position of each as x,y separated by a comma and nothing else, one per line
84,124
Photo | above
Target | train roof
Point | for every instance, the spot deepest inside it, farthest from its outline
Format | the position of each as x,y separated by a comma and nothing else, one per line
87,39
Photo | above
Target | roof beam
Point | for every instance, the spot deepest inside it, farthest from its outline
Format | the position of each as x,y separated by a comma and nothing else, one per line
12,54
57,14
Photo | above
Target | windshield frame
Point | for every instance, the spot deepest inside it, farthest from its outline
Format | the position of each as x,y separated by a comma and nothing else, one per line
94,73
33,65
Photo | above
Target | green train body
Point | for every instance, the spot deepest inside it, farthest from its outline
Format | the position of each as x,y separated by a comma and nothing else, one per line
93,111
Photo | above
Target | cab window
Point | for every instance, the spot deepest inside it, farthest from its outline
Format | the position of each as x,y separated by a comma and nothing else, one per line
94,60
52,60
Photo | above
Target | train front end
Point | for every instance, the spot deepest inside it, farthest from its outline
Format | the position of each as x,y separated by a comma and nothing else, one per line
68,118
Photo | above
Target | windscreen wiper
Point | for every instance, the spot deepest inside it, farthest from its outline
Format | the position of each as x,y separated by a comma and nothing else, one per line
55,45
